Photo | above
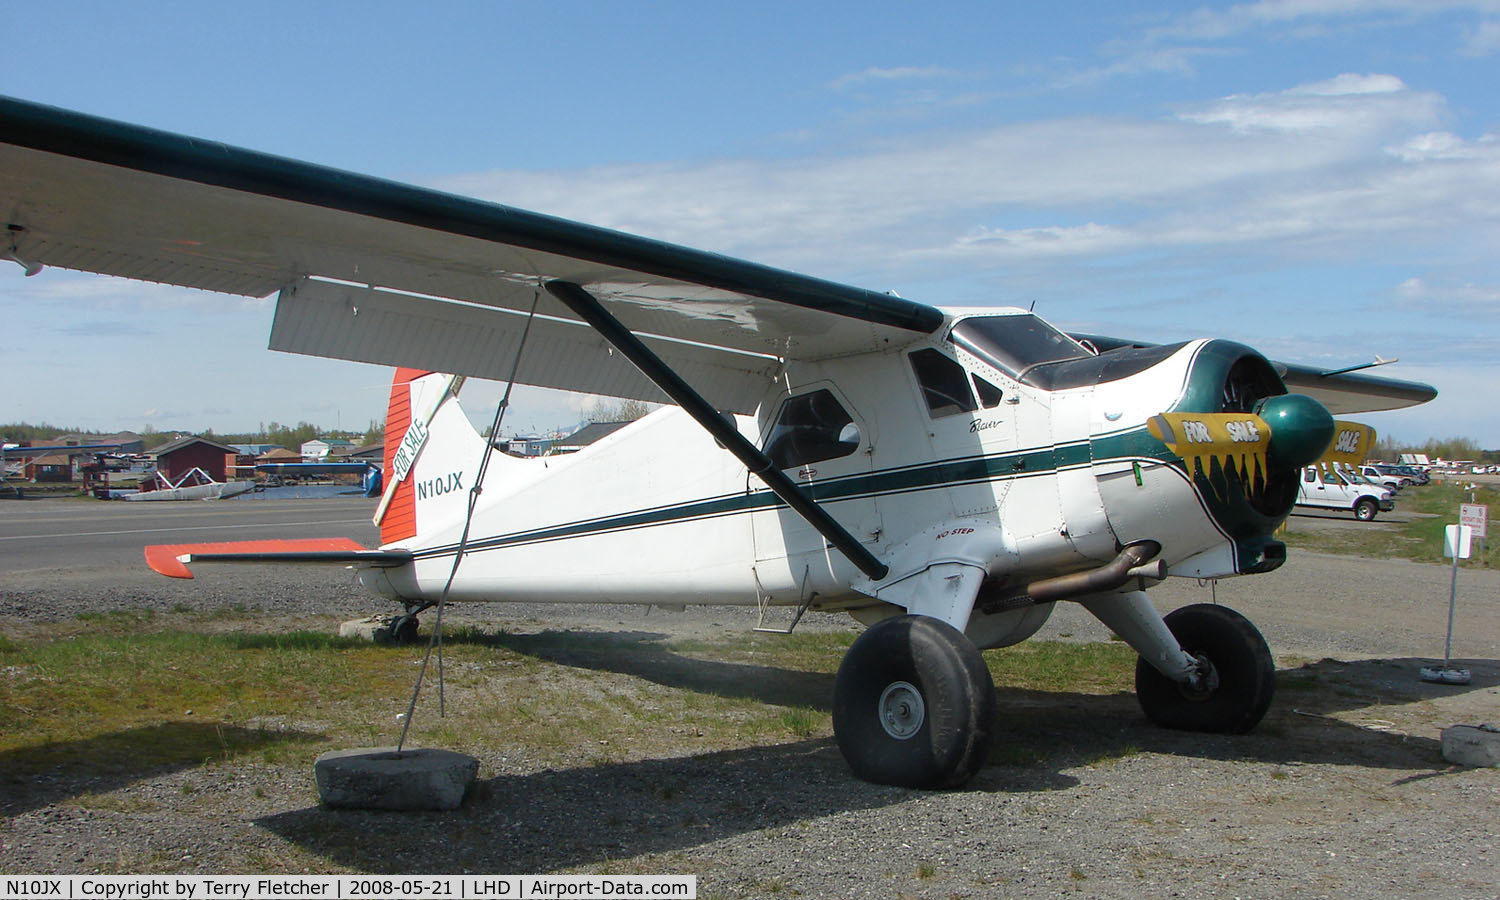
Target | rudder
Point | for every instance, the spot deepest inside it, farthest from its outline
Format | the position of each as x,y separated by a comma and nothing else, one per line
398,515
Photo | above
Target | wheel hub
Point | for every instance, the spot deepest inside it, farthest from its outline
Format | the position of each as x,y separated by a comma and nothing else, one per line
902,711
1205,681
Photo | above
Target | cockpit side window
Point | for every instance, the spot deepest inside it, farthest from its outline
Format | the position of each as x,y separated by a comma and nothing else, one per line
989,395
811,428
945,384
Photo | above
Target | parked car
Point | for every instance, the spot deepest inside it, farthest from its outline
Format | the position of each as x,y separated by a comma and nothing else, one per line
1418,474
1403,478
1327,489
1374,474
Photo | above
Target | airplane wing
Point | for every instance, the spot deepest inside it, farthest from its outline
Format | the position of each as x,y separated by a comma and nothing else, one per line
1339,391
1348,392
381,272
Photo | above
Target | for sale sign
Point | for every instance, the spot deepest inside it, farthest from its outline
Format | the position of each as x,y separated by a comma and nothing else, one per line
1474,515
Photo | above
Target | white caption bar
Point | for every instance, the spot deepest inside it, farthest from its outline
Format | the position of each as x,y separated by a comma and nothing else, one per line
347,887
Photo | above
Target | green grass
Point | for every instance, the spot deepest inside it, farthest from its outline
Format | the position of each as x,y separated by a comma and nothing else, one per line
113,698
121,693
1420,540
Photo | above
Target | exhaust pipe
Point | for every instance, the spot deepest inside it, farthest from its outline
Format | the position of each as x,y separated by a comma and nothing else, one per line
1136,560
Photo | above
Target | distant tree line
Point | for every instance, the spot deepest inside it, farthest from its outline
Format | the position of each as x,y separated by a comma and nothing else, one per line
1447,448
618,410
20,432
294,436
288,436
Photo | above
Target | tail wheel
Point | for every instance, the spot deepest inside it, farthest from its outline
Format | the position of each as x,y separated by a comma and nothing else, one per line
1364,510
913,704
1239,674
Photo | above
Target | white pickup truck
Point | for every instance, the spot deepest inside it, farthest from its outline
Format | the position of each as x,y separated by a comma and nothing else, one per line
1327,489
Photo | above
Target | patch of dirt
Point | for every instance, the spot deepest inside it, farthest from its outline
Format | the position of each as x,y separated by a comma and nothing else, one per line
1342,790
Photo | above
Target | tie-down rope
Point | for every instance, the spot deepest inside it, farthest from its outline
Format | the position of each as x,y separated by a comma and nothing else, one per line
436,640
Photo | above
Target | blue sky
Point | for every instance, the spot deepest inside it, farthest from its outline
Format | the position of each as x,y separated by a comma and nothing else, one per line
1317,178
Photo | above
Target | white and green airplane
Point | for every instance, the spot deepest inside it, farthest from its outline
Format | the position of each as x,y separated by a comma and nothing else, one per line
945,476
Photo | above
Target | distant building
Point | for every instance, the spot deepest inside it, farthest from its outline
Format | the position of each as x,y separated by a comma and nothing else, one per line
51,468
129,441
524,445
371,453
279,455
246,455
183,455
62,465
321,450
584,436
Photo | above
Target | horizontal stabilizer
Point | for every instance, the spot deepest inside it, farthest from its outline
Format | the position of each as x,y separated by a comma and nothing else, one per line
171,559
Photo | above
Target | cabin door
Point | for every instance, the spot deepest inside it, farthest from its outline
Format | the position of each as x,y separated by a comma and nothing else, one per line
819,439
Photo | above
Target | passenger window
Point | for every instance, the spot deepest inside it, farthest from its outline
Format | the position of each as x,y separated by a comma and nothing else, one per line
1310,475
811,428
989,395
945,384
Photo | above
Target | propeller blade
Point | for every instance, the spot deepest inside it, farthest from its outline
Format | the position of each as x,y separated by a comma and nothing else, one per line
1236,440
1352,443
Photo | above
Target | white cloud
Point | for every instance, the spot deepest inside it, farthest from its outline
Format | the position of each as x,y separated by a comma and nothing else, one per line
82,293
1349,106
894,74
1442,145
1451,298
1344,162
1148,60
1348,83
1209,23
1482,40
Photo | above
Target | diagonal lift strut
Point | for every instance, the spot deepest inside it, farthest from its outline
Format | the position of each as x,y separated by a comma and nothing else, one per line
588,308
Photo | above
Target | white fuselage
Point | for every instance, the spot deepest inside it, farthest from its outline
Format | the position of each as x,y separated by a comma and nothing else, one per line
1033,484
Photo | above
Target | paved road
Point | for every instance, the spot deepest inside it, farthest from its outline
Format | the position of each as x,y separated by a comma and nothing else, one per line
56,534
58,557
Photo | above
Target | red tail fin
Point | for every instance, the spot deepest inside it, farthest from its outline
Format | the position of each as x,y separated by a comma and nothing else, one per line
400,519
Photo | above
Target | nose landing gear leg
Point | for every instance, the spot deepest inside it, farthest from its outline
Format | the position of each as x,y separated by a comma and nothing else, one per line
1202,667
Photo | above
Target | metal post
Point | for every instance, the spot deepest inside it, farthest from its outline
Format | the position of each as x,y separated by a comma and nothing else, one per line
1446,674
593,312
1452,601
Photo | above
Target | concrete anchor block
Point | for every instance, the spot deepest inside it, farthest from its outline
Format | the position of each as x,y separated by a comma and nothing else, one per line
376,629
1472,745
382,778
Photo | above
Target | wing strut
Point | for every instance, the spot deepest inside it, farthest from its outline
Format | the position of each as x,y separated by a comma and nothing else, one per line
593,312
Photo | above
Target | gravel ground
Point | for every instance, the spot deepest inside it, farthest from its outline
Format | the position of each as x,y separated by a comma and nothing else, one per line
1340,794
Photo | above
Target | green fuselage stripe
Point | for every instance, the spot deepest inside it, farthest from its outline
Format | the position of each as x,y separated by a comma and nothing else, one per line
1127,446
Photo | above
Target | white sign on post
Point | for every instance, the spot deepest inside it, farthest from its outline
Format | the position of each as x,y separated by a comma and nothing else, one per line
1475,516
1457,541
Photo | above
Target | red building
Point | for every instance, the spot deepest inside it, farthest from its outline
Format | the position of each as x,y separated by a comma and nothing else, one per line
183,455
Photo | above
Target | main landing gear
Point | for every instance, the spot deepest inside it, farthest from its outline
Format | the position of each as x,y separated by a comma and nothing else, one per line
914,704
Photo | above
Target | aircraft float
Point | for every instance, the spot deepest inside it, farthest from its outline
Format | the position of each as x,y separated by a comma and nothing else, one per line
945,476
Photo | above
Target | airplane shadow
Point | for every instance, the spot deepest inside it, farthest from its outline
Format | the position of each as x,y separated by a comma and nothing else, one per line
555,819
1071,728
644,655
41,775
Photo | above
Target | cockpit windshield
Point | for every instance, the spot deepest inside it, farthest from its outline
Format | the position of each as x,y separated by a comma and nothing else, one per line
1016,343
